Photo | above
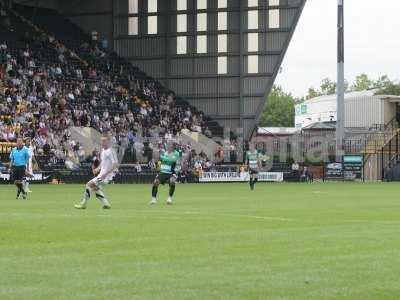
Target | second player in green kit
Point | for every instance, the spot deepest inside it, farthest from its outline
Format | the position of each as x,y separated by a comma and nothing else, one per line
167,174
253,161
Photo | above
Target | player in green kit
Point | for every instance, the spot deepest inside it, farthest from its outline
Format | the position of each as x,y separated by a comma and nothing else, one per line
253,162
169,159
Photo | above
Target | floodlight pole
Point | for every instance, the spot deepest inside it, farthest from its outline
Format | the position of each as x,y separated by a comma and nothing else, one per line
340,134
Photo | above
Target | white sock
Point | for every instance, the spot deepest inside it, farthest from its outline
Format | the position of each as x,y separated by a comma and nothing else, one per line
102,198
169,199
26,185
86,195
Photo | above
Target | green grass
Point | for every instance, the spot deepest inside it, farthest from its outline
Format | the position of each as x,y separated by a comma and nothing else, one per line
221,241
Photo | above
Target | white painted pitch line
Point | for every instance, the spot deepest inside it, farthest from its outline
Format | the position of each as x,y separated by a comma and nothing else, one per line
161,213
158,212
373,221
165,212
319,192
239,216
40,215
257,217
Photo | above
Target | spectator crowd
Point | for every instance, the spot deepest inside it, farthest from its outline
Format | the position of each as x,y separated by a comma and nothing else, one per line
45,89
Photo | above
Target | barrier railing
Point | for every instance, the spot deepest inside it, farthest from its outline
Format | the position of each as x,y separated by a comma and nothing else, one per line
390,154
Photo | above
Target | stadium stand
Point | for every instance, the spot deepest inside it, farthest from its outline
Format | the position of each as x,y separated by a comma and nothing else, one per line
53,77
54,80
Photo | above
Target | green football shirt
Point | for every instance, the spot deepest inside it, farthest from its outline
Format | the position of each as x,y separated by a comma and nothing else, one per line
168,161
253,159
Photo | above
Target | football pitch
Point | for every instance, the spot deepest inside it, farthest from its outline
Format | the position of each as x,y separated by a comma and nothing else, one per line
218,241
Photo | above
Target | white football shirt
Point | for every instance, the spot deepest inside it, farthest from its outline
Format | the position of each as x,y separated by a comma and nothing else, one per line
108,159
30,152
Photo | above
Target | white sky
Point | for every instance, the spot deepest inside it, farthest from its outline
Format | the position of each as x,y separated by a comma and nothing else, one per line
372,43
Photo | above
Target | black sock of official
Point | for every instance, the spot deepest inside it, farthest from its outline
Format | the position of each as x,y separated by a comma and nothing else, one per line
171,190
18,190
154,191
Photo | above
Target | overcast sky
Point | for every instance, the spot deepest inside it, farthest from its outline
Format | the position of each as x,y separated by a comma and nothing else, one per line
371,36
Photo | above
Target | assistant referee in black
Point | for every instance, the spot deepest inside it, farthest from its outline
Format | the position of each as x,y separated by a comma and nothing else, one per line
19,159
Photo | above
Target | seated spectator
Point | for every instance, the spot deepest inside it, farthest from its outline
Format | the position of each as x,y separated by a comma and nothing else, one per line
306,176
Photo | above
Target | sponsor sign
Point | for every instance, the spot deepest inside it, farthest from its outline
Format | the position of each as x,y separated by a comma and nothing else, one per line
353,166
240,177
301,109
36,177
334,171
270,176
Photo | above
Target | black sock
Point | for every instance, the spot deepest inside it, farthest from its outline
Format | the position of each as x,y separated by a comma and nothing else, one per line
154,191
20,189
171,189
251,182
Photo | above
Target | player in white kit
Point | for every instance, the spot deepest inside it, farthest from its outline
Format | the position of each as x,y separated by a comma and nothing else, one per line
29,167
104,174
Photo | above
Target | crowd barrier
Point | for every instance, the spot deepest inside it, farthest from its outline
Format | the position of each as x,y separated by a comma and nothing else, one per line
239,177
38,177
130,176
73,177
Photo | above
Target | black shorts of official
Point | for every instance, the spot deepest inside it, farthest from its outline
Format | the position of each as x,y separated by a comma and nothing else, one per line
164,178
253,172
18,173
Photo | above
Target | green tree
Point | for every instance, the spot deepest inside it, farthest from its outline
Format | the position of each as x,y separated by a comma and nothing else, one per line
312,93
383,82
390,89
362,83
279,110
328,87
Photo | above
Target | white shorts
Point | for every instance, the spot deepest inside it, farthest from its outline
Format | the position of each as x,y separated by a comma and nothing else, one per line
99,182
29,169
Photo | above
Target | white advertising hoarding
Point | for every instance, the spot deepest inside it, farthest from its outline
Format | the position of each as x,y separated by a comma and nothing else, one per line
240,177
